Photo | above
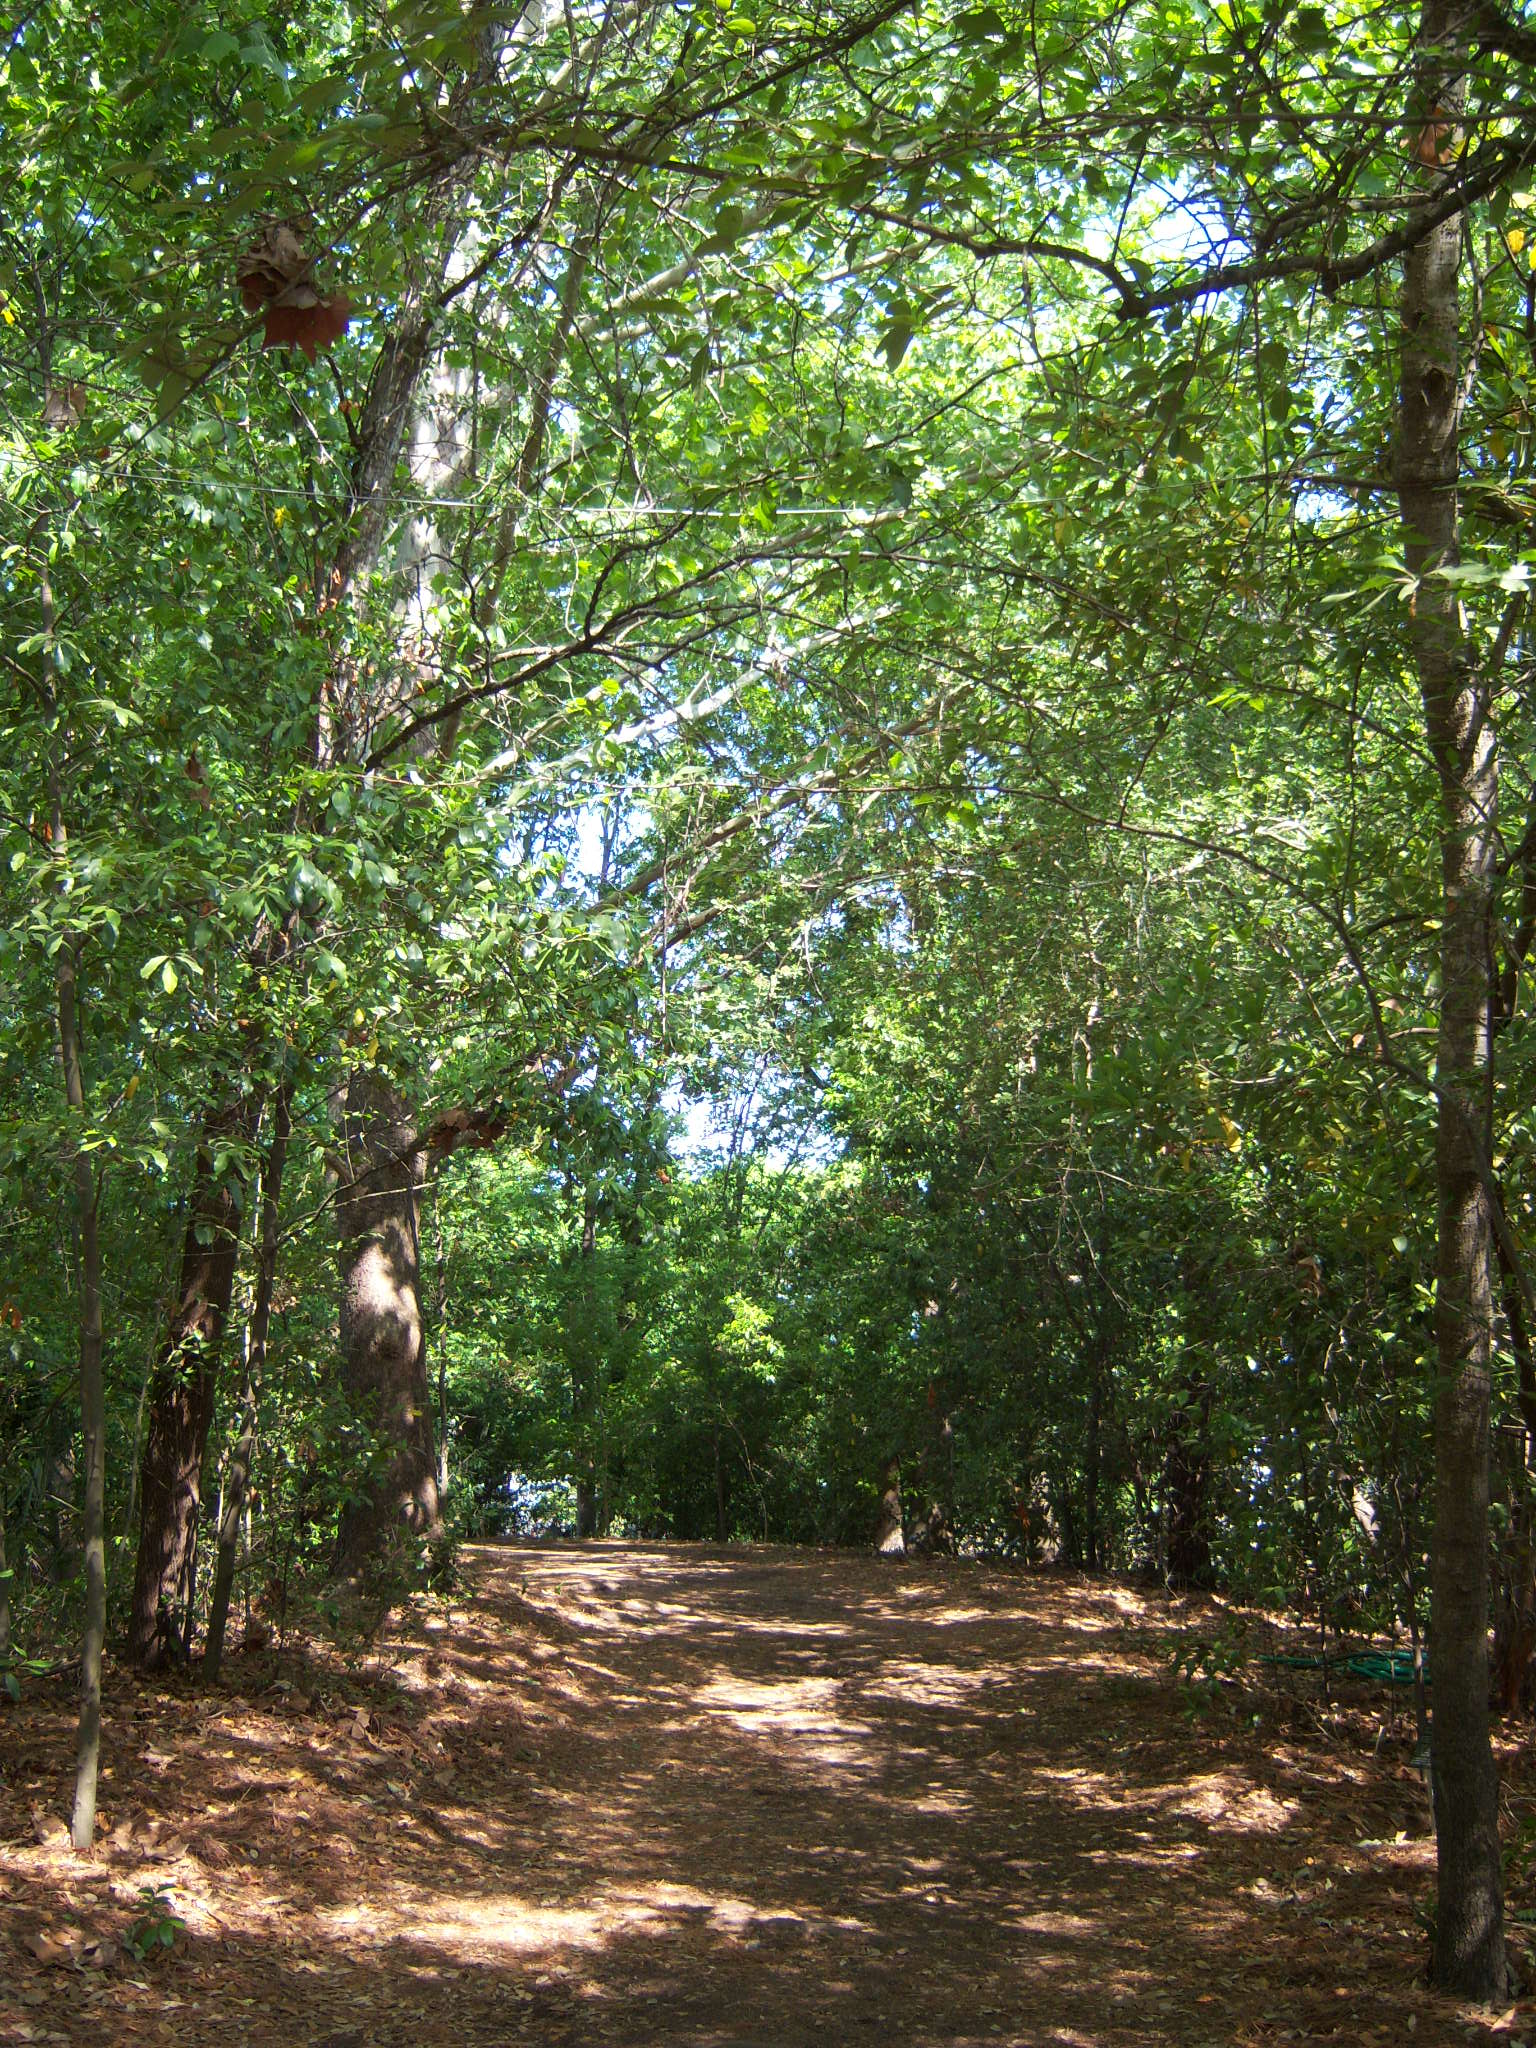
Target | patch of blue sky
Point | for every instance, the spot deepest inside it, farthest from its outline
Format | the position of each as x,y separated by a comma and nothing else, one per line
704,1129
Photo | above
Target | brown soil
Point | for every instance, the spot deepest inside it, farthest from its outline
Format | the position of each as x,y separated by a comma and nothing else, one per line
739,1799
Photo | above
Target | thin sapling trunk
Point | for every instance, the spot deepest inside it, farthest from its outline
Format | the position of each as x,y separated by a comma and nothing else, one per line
93,1425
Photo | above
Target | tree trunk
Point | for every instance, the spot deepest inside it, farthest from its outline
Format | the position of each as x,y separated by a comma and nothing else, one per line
238,1479
131,1504
440,1335
181,1398
586,1506
187,1602
722,1527
1469,1957
1514,1633
348,714
586,1392
5,1589
890,1536
1186,1474
1091,1464
182,1393
93,1425
93,1417
383,1353
940,1475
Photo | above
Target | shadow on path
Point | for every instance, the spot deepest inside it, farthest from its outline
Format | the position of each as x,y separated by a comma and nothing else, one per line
751,1799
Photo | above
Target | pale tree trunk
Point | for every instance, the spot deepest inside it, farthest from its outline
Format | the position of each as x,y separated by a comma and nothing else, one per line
383,1339
890,1534
383,1350
382,1329
237,1482
1469,1957
182,1393
181,1402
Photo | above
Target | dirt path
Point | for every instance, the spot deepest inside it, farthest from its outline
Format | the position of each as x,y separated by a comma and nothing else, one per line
742,1799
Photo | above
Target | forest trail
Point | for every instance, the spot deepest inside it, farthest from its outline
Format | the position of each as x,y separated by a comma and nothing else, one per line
617,1795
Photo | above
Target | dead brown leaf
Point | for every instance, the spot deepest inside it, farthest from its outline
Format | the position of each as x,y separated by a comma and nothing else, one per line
48,1828
51,1948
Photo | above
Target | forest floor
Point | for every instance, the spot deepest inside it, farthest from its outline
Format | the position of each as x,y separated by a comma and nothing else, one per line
613,1795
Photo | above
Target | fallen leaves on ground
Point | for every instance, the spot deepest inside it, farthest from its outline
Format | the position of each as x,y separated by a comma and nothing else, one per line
740,1799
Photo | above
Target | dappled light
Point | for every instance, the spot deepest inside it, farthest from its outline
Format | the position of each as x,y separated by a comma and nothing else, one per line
767,932
752,1797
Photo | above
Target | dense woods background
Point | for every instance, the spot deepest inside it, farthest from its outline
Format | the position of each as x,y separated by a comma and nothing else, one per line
790,818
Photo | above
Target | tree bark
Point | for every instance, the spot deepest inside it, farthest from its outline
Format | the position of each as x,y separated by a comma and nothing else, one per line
1514,1631
238,1479
1469,1958
890,1535
1186,1480
93,1420
5,1589
181,1397
1091,1462
93,1424
440,1336
383,1352
182,1392
586,1371
349,712
721,1524
586,1506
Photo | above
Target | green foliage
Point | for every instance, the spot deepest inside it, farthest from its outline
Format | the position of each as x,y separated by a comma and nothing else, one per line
157,1928
873,627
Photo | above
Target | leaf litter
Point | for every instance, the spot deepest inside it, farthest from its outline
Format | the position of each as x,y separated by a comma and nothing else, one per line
735,1798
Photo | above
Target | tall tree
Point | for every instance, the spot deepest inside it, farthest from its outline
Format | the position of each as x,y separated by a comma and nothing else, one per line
1458,684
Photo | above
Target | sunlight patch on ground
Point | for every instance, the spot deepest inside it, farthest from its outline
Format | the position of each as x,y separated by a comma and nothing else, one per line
1089,1624
801,1710
969,1617
944,1804
672,1618
505,1923
1120,1666
502,1922
1123,1602
1097,1787
935,1685
1222,1799
1072,1924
